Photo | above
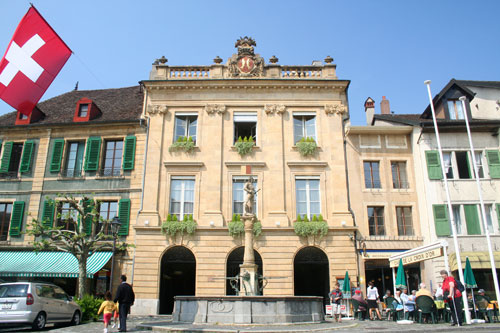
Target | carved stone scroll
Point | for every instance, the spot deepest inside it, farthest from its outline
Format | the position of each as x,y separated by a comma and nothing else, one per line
157,109
270,109
215,108
339,109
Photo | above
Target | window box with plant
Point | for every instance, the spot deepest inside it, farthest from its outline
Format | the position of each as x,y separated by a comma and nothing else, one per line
183,143
307,146
173,226
316,227
237,228
244,146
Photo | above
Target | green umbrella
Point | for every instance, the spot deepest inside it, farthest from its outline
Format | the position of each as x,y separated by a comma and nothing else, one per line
346,288
400,278
470,281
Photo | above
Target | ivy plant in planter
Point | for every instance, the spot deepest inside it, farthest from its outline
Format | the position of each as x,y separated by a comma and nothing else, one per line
172,226
307,146
184,143
244,146
237,228
317,227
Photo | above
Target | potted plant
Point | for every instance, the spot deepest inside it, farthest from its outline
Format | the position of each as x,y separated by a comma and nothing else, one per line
307,146
172,226
317,227
236,227
184,143
244,146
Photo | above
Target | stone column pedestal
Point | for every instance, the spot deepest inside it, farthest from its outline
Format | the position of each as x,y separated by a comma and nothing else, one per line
248,270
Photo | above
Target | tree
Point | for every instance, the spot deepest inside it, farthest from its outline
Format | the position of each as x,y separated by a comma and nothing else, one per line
82,234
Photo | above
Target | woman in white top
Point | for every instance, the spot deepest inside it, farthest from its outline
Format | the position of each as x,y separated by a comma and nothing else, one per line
372,298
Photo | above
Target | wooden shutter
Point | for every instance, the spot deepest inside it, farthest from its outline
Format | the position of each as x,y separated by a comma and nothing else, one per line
124,216
472,220
433,164
441,220
493,158
7,151
16,219
88,205
129,153
92,154
48,214
57,153
26,157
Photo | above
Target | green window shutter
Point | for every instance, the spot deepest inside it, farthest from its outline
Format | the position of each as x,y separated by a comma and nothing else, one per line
87,208
48,214
472,220
16,219
124,216
26,157
441,220
129,153
493,157
92,154
57,152
7,151
433,164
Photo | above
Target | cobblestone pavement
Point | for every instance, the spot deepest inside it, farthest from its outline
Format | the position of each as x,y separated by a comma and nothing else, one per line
164,324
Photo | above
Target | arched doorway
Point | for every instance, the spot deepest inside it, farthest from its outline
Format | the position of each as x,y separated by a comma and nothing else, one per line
311,273
234,260
178,276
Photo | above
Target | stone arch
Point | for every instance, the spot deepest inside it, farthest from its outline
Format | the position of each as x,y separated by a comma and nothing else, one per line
311,273
177,276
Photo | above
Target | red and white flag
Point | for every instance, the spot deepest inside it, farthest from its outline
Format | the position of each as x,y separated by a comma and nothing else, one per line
33,59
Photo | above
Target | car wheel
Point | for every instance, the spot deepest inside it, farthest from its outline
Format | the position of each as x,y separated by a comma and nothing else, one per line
40,321
76,318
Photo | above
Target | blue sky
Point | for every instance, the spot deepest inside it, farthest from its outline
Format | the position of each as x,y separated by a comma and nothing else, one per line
386,48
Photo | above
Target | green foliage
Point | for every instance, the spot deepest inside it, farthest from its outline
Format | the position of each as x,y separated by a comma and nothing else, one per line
89,305
183,143
304,229
299,218
244,146
320,217
236,227
315,218
307,146
173,227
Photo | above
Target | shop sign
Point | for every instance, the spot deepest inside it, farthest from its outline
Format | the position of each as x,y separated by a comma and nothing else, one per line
379,255
429,254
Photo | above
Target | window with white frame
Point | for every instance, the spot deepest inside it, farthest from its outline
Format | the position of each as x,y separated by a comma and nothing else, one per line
304,126
181,196
458,219
479,163
185,126
455,109
447,165
245,125
239,194
308,196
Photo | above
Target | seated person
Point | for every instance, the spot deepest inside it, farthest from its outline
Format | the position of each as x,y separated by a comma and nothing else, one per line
408,303
398,303
423,291
363,305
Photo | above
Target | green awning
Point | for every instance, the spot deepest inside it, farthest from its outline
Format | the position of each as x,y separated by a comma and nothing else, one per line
48,264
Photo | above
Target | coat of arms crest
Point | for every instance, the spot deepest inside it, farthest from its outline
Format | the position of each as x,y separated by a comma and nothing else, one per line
246,62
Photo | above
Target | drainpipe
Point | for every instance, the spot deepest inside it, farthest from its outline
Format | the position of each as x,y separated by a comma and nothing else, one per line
143,117
344,135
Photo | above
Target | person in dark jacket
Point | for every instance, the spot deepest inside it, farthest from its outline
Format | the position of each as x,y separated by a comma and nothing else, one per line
125,297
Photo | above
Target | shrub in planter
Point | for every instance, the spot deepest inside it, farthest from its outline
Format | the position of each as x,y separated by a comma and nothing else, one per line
316,227
244,146
183,143
89,305
307,146
236,227
172,226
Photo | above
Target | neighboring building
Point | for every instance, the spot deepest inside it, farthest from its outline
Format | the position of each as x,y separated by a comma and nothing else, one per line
483,108
383,195
79,143
215,105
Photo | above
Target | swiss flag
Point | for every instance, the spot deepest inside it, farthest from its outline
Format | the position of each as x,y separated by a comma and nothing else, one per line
33,59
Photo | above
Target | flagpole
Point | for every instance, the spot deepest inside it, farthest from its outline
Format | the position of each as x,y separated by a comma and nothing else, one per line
481,201
450,209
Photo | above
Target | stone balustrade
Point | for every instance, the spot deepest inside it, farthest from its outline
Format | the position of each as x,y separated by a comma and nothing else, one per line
188,72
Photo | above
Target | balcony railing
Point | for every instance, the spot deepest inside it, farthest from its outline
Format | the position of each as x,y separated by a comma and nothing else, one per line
110,172
71,173
9,175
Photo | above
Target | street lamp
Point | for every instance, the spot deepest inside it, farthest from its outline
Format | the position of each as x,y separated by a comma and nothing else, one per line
115,227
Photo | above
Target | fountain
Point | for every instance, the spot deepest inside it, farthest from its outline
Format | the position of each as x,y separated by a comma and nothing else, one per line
248,307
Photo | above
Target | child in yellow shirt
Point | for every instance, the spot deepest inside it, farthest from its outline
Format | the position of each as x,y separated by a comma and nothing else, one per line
108,306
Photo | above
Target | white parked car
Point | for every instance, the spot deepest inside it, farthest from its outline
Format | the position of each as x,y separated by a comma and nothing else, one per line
36,304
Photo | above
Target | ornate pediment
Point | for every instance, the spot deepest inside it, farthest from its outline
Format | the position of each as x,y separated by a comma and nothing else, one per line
246,63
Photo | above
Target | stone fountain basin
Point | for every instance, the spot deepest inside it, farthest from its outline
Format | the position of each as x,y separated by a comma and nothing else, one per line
248,309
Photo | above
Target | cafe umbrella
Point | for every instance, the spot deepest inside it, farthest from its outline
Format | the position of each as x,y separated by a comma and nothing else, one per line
400,284
470,281
346,291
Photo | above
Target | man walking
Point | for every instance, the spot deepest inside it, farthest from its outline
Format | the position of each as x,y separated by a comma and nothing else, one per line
125,297
453,297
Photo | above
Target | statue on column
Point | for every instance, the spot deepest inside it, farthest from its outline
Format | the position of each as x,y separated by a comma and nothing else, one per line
250,192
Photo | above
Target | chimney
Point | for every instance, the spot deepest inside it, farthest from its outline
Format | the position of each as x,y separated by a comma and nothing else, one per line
385,108
369,110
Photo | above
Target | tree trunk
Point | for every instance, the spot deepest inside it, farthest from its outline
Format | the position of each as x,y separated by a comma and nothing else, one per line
82,275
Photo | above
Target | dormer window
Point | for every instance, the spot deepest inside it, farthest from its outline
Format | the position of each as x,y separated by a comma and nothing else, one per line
83,110
86,110
455,110
33,117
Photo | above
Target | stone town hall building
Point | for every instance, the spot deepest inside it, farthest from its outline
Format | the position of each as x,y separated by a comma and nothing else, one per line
206,109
